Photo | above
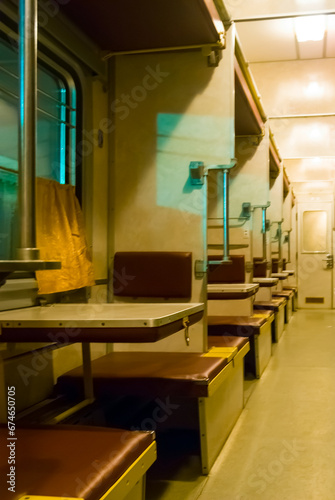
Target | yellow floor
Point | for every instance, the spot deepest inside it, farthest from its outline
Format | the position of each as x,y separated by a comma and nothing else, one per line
283,446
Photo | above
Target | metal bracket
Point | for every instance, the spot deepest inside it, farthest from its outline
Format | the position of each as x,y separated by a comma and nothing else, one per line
197,172
200,269
214,58
249,267
246,210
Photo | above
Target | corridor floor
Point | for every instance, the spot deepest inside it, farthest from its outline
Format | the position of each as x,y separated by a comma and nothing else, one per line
283,445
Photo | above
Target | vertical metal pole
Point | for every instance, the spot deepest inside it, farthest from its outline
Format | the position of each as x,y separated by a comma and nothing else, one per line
27,128
264,231
226,215
279,241
289,246
205,221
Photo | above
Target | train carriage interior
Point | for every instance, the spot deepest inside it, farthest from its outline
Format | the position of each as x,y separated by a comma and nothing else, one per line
167,185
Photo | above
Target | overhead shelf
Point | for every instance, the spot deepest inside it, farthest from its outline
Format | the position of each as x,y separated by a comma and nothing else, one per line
274,162
249,113
218,246
286,184
119,27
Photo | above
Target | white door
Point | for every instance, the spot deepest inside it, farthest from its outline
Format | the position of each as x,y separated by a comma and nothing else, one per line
315,256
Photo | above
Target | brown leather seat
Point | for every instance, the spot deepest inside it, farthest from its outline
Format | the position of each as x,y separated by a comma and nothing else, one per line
242,326
227,341
292,288
70,461
149,374
233,272
153,274
283,293
272,305
260,268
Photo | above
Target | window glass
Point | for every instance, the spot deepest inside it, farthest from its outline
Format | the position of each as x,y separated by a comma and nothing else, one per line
56,120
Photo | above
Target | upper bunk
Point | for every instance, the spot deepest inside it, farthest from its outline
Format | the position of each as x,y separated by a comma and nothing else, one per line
249,113
132,26
274,160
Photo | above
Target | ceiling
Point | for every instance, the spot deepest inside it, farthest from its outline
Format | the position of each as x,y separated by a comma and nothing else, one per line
275,40
270,45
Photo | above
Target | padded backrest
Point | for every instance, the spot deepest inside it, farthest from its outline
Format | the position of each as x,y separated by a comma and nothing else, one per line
260,268
153,274
275,265
233,272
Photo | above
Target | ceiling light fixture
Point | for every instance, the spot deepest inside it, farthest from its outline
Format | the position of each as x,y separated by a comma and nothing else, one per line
310,28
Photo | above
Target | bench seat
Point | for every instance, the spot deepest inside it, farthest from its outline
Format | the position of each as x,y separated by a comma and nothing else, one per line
202,391
289,296
256,328
227,341
277,305
294,289
89,463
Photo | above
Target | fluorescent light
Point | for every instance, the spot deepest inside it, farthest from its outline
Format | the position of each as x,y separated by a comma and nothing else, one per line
310,28
313,89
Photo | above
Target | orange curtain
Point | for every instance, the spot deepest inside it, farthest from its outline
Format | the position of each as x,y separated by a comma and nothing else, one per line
60,236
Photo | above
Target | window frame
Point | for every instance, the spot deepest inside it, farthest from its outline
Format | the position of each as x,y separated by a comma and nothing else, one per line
53,56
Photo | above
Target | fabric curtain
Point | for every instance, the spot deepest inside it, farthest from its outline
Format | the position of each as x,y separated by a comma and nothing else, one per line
60,236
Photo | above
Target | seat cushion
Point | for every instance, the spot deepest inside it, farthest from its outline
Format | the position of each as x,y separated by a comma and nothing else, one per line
283,293
70,461
150,374
241,326
227,341
272,305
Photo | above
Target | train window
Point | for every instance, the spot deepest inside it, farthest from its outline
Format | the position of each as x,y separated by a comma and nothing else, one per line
56,135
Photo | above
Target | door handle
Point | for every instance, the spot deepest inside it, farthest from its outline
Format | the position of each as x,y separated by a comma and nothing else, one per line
329,261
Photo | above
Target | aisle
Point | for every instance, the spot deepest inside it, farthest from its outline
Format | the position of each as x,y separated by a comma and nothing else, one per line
283,446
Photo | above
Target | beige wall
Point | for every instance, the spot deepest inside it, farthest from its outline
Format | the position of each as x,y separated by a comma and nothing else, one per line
170,109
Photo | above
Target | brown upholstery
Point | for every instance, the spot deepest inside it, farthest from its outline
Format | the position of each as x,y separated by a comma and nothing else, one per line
233,272
153,274
227,341
70,461
272,305
260,268
242,326
275,266
283,293
148,374
266,313
291,287
114,334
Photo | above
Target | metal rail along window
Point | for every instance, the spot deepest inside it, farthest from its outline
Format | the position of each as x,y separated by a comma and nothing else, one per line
56,134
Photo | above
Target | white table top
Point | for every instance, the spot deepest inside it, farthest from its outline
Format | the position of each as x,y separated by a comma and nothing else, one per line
282,275
232,287
273,281
98,315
